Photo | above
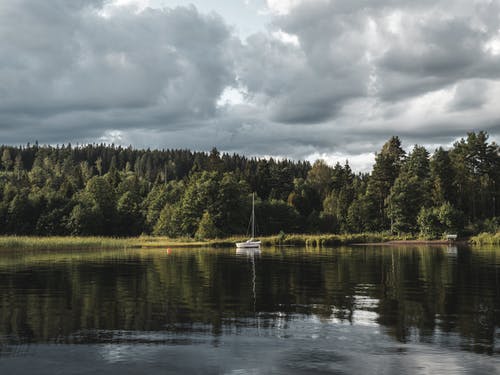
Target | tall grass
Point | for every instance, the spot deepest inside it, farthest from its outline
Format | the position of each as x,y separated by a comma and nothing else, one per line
486,239
311,240
305,240
28,242
68,242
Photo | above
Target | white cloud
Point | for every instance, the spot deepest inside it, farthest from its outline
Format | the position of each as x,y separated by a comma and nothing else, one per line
358,162
286,38
492,46
113,136
113,7
232,96
282,6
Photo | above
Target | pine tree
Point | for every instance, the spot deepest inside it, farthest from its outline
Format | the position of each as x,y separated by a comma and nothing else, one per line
206,227
6,159
442,178
410,192
385,171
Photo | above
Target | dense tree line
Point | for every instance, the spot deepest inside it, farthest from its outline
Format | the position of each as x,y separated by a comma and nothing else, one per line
110,190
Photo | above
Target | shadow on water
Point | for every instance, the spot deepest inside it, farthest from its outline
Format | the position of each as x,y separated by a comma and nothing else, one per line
446,297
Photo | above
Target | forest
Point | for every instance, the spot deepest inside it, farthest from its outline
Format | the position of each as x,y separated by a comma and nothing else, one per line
109,190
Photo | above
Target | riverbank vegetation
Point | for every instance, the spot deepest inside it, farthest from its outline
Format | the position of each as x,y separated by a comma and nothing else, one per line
110,191
92,242
55,243
318,240
486,239
303,240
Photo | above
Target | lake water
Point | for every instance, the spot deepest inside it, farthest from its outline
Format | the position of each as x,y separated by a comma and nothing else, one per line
356,310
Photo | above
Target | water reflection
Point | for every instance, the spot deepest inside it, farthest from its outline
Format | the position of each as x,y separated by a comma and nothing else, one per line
419,295
251,254
452,250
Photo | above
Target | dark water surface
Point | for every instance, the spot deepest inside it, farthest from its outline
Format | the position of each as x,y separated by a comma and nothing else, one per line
358,310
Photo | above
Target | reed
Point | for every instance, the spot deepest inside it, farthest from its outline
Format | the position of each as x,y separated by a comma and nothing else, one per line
154,241
486,239
310,240
28,242
305,240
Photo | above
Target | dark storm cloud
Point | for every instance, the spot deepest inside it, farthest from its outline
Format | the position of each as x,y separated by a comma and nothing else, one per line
61,60
469,95
332,76
407,48
405,65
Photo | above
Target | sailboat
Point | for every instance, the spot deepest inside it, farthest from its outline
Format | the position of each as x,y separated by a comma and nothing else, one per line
251,243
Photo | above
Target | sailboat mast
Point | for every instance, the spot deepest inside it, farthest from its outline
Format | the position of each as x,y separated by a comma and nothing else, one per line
253,215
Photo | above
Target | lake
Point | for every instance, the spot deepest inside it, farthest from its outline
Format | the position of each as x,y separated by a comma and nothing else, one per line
351,310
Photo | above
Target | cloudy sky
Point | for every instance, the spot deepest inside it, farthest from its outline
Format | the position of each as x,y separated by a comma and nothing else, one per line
290,78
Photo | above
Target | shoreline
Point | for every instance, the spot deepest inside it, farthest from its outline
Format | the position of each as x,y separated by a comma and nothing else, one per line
416,242
291,240
429,242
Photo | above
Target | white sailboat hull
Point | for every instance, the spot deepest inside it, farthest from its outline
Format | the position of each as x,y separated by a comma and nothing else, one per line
250,244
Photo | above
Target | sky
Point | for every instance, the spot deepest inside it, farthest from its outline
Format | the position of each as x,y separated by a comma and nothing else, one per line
301,79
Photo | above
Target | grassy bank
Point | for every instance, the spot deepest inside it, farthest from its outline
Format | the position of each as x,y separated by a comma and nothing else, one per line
29,242
326,240
486,239
305,240
320,240
68,242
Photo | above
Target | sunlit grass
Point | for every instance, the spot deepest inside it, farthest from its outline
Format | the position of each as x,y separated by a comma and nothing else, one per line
311,240
486,239
306,240
64,242
30,242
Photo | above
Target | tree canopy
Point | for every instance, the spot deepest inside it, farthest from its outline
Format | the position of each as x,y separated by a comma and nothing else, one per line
111,190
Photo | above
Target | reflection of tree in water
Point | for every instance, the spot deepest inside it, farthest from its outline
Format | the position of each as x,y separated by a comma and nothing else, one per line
418,294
